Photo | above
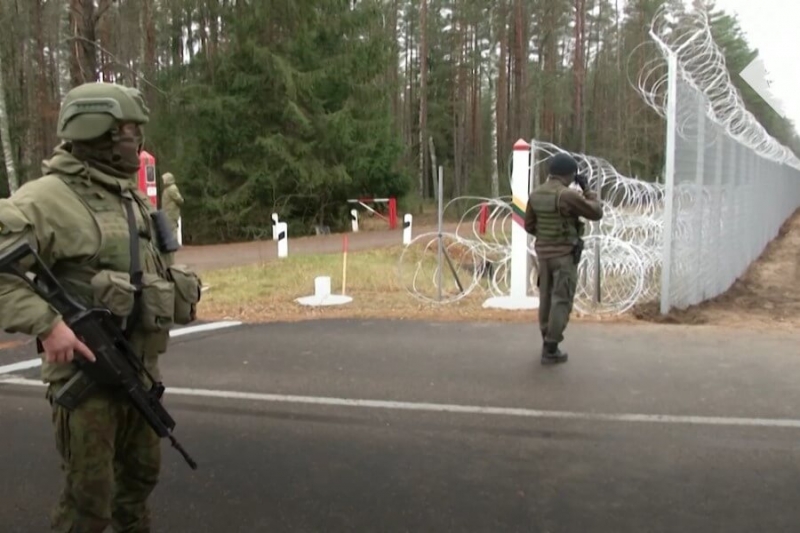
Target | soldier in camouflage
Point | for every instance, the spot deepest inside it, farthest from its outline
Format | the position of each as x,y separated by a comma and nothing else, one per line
171,201
552,216
81,216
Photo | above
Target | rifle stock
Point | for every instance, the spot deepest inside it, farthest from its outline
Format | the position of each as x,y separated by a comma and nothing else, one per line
117,365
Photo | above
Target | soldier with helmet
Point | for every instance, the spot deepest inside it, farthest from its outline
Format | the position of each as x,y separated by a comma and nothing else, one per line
93,228
553,217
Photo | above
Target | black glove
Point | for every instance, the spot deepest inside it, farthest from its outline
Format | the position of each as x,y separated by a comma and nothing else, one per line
582,182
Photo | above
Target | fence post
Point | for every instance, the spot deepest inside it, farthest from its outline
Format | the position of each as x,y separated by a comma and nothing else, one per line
354,219
699,175
741,251
716,238
669,179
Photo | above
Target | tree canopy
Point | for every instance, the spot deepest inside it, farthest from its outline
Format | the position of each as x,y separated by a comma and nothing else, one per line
294,106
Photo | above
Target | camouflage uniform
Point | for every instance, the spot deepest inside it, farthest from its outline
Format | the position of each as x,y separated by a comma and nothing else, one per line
76,217
171,201
552,216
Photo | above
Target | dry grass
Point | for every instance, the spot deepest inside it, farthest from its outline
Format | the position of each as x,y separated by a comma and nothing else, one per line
267,292
766,297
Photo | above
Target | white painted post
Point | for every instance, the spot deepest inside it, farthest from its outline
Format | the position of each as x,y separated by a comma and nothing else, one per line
520,179
275,226
354,219
283,239
407,218
322,294
519,238
322,286
180,232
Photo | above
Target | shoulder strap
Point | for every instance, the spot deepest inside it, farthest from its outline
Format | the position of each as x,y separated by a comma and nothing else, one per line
147,210
136,265
133,232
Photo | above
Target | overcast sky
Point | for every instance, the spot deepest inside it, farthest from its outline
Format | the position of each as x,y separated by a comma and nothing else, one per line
772,28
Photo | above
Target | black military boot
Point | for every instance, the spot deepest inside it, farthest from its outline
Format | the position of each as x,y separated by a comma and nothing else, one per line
551,354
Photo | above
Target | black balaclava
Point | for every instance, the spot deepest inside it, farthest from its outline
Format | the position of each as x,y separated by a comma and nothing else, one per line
113,153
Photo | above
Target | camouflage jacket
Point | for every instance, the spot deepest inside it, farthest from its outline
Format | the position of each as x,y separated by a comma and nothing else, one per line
76,218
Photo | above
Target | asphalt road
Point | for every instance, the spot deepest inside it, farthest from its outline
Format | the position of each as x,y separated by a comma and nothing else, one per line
565,456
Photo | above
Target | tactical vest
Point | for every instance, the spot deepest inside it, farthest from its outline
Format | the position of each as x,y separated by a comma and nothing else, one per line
551,226
108,211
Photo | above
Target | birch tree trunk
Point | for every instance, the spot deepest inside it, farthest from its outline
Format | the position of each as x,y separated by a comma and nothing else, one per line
5,138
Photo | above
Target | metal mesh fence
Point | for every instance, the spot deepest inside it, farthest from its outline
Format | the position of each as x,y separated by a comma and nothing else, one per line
727,188
724,201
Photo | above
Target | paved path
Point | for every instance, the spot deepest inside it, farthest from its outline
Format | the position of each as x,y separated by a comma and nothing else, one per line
646,428
237,254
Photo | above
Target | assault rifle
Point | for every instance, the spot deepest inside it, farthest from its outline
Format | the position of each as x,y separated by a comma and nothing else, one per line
116,367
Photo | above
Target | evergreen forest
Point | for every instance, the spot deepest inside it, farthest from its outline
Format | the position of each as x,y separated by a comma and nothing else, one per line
294,106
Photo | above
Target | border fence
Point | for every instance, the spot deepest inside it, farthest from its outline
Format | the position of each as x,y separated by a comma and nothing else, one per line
729,185
727,188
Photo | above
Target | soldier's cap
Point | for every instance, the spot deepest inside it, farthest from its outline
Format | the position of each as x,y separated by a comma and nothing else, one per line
563,165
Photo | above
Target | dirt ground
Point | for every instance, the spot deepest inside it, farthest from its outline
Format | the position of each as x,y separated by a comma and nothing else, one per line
767,296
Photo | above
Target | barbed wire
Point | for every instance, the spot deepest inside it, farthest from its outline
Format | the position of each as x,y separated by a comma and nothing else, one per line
627,239
701,64
624,249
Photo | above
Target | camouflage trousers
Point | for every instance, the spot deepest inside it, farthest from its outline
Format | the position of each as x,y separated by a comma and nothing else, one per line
111,459
558,279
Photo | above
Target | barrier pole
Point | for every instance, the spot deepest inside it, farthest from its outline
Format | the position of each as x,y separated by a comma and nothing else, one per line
344,262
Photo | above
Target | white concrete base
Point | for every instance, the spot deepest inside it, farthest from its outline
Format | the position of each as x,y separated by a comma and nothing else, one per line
331,299
322,294
512,303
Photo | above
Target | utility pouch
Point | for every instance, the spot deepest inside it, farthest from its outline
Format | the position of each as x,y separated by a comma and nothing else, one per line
157,304
165,239
114,291
577,251
187,293
75,391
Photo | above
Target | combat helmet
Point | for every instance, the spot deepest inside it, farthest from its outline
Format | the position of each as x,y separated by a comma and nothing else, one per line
563,164
91,109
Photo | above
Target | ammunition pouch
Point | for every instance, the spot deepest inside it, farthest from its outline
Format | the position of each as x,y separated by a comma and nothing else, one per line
157,304
162,302
187,293
114,291
75,391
